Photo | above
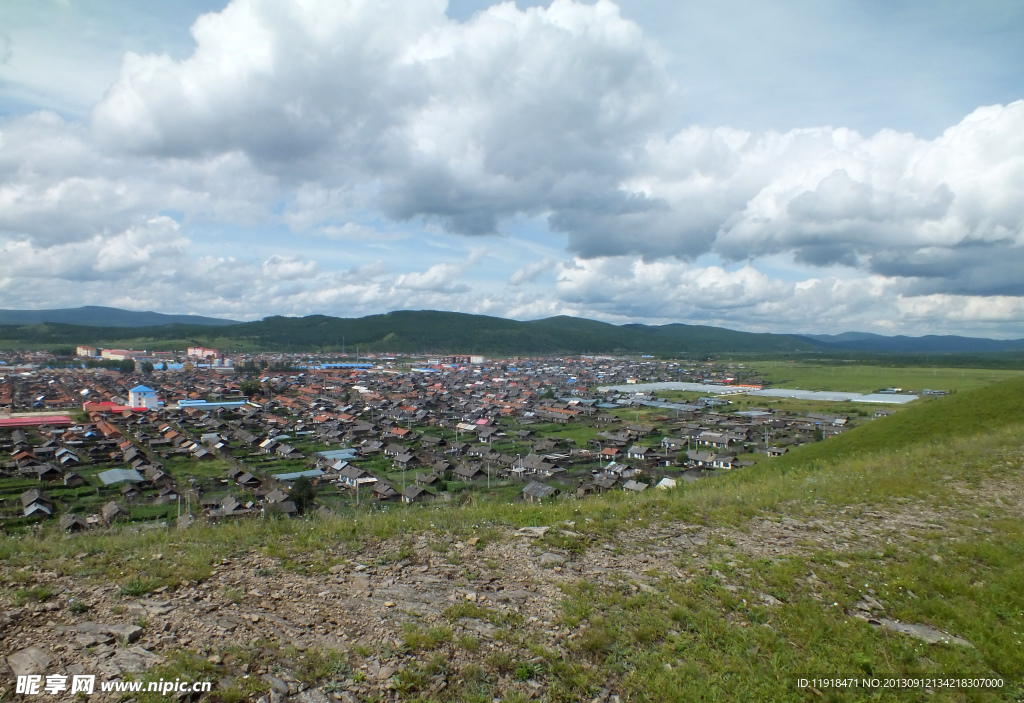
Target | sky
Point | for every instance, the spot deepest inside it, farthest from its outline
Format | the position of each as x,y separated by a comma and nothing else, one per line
814,166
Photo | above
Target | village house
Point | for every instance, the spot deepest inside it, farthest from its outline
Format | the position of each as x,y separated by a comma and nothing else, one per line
537,492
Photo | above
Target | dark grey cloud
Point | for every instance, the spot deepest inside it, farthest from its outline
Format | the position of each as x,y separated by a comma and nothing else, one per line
987,269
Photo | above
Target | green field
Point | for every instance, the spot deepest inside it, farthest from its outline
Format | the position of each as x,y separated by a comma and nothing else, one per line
857,378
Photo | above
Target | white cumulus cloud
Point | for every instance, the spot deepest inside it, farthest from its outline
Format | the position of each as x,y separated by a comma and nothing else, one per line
374,124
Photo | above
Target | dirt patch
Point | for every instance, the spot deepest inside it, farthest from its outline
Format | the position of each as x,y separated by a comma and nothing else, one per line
490,601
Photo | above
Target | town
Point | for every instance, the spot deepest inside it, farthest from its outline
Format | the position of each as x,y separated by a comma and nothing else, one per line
119,435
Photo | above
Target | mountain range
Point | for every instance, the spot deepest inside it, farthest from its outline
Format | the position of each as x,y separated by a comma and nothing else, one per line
928,344
448,332
97,316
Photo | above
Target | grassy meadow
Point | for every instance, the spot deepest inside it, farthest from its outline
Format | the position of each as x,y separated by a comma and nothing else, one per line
862,378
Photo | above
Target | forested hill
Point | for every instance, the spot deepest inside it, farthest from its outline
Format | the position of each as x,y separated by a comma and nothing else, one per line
438,332
423,331
98,316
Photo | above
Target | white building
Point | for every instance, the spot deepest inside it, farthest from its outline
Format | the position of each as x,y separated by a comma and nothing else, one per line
143,397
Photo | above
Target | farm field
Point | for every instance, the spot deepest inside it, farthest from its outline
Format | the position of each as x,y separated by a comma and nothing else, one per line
857,378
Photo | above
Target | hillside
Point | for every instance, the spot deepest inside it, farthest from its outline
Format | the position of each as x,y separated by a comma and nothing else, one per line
96,316
897,554
425,331
926,421
928,344
432,331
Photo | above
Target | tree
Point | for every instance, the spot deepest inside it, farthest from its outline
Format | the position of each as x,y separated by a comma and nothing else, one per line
302,494
250,388
146,367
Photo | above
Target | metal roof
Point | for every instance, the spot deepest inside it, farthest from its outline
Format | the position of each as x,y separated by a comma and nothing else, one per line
312,473
834,396
335,454
672,386
539,490
119,476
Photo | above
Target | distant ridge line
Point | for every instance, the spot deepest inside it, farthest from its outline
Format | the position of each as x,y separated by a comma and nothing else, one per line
99,316
431,331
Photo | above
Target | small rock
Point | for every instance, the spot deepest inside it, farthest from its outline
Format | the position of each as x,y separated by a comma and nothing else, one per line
552,559
311,695
124,631
157,608
532,531
473,541
360,583
868,604
88,639
135,660
925,633
29,661
276,685
386,672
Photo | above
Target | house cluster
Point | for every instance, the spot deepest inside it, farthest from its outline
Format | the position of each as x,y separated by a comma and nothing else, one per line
389,430
58,458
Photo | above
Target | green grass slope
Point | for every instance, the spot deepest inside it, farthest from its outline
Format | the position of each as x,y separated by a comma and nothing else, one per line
961,415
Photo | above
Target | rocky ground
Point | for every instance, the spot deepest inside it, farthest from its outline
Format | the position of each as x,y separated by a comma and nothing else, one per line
418,611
